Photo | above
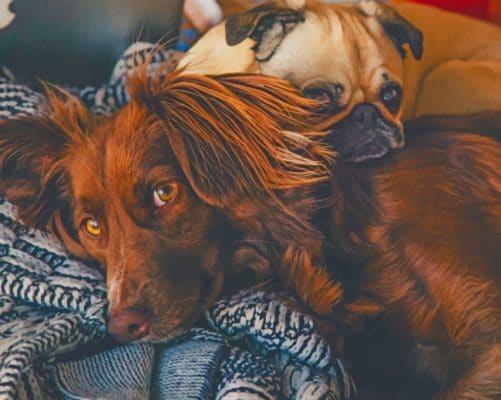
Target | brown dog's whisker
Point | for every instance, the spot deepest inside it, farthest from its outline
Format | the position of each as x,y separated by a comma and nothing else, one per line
185,300
255,241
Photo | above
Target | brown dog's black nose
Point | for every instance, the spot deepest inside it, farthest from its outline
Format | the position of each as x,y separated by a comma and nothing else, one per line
127,326
366,115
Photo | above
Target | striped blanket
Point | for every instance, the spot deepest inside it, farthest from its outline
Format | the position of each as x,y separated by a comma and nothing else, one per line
53,340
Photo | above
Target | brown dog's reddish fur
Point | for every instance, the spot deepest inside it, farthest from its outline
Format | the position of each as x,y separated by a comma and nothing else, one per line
218,140
430,240
416,245
412,243
413,246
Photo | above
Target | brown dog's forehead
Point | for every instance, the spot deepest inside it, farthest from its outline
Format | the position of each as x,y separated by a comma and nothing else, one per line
117,155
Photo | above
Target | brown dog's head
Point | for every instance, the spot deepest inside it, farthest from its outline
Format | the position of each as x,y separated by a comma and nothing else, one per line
153,193
349,56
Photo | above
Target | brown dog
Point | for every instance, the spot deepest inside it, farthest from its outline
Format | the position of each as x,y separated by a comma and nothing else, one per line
366,60
159,193
416,242
412,255
412,241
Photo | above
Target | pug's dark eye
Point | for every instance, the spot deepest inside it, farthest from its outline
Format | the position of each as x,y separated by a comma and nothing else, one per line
321,94
391,96
328,95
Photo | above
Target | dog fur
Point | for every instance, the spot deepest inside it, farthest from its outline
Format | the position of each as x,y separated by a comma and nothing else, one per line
401,254
217,144
363,48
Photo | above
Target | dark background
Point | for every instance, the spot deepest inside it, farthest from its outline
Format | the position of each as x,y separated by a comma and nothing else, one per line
77,42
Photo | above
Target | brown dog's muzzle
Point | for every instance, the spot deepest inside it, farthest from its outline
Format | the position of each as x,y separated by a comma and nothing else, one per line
161,308
128,325
151,300
128,317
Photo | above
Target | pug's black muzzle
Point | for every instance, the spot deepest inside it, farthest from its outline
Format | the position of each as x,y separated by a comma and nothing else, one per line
365,135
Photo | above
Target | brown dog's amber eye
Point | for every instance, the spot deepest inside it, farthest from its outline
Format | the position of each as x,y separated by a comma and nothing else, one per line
164,193
391,96
92,227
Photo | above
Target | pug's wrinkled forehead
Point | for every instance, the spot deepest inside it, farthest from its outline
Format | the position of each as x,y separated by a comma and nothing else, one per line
351,47
350,51
349,56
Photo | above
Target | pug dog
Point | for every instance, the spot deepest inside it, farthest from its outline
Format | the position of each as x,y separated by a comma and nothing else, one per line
365,61
348,56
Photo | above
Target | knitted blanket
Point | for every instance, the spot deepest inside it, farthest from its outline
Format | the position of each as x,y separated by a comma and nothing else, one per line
53,340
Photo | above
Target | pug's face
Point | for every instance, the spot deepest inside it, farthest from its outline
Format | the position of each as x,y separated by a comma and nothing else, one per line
349,56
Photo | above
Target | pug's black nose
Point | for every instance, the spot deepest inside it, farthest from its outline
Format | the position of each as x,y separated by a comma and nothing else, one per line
365,115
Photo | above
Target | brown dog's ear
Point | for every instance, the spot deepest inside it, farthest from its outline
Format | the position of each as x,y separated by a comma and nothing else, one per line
267,25
31,150
399,30
236,136
31,174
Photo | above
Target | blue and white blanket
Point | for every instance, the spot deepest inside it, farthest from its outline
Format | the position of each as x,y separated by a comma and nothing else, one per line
53,341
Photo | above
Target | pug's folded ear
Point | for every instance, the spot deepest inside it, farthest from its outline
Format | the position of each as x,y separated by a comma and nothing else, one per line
397,28
267,24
